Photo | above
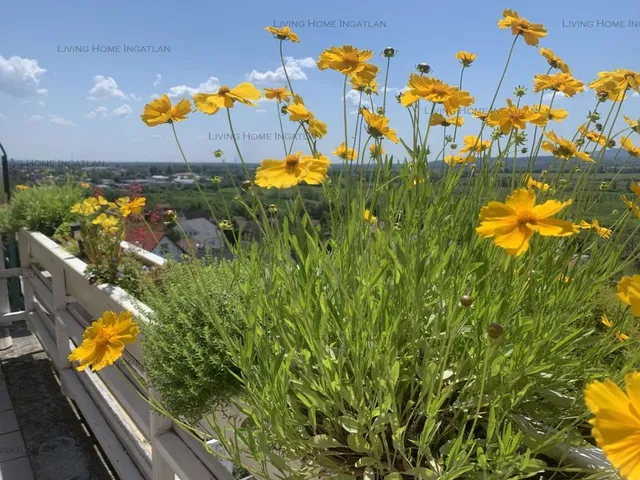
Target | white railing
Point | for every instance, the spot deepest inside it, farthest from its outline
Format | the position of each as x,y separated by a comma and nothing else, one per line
59,303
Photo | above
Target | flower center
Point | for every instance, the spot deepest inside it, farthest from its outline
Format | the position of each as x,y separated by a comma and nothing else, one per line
291,160
525,217
351,59
103,337
224,90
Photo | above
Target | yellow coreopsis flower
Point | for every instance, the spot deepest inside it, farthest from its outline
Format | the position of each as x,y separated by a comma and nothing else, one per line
634,124
559,82
621,336
104,340
627,144
436,91
605,321
531,32
363,85
616,422
512,224
345,153
633,207
545,114
472,143
531,183
378,125
629,292
127,207
563,148
479,114
635,188
459,159
554,61
85,185
160,111
601,231
376,151
298,112
466,58
89,205
439,120
295,168
511,117
109,223
617,82
348,60
283,33
226,97
369,217
317,129
593,136
277,94
22,187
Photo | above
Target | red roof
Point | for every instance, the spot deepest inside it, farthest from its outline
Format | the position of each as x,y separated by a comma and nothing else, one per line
142,237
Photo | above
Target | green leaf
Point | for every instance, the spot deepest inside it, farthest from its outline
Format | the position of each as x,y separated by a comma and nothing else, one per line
358,444
394,374
422,473
324,441
350,424
393,476
365,462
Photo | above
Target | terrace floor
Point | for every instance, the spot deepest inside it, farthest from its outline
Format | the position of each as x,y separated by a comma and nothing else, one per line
42,435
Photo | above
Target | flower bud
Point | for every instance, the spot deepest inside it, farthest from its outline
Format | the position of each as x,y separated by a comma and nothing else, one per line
593,116
580,142
380,111
389,52
399,97
170,217
599,127
495,330
454,146
218,153
246,185
272,208
284,109
423,68
611,143
466,300
216,180
225,225
524,150
520,91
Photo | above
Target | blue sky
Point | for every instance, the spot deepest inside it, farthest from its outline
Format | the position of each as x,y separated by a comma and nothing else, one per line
54,103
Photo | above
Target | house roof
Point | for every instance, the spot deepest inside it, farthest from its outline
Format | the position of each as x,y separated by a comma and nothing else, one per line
143,238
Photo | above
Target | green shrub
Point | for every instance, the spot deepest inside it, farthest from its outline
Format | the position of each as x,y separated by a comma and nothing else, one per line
41,208
185,356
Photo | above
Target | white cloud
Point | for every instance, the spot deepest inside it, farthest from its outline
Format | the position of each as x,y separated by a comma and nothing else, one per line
20,77
107,87
636,94
156,137
98,112
354,97
154,96
123,111
55,119
260,110
35,118
294,69
210,86
157,81
547,96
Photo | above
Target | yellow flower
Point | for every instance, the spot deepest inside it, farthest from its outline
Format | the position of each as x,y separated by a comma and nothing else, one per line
634,124
349,61
625,142
130,207
605,321
621,336
601,231
531,32
378,125
376,151
436,91
559,82
531,183
593,136
466,58
545,113
635,188
513,223
458,159
109,223
22,187
289,172
89,205
617,82
369,217
345,153
563,148
616,422
479,114
104,340
363,85
317,129
437,119
629,292
632,206
554,61
472,143
160,111
298,112
283,33
225,97
279,94
511,117
85,185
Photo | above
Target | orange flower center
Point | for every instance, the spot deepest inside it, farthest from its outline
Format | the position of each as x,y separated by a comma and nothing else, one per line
525,217
351,59
103,337
291,160
224,90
